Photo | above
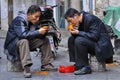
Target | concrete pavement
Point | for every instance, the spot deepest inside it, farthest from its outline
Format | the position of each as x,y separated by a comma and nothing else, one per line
112,72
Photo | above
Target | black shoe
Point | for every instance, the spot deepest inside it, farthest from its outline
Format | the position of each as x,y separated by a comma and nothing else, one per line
84,70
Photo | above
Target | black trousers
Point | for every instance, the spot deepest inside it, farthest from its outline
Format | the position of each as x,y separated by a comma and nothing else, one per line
79,47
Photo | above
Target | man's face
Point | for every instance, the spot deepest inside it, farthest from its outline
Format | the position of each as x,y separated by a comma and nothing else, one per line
73,20
34,18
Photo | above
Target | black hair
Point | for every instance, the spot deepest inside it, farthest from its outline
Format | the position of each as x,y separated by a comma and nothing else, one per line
33,9
71,12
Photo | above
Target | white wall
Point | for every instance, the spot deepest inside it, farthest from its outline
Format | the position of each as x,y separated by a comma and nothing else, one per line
4,14
22,5
75,4
17,6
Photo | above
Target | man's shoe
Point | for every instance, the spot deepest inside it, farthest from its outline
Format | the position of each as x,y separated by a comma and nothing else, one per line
27,73
48,67
101,66
84,70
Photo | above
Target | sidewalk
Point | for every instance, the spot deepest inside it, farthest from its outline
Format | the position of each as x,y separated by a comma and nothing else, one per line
112,72
3,34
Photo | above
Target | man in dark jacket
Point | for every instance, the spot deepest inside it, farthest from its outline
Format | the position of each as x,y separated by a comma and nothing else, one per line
90,37
23,36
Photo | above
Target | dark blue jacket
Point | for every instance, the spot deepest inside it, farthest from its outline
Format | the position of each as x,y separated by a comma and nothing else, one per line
18,29
94,29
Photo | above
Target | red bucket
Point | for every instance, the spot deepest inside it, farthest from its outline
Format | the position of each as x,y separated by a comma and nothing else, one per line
66,69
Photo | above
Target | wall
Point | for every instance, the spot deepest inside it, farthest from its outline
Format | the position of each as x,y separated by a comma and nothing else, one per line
22,5
75,4
17,6
114,3
4,14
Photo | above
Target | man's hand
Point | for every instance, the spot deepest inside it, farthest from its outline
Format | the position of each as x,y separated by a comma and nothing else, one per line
42,31
74,31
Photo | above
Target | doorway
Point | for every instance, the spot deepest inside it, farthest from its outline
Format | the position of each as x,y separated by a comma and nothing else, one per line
10,11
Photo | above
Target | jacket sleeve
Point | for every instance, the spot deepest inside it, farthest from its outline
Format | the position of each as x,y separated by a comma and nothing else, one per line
23,32
93,32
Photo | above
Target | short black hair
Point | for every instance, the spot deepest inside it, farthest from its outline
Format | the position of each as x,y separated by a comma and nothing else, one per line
71,12
33,9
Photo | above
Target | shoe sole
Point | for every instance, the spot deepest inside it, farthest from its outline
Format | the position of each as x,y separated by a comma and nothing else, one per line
27,76
83,73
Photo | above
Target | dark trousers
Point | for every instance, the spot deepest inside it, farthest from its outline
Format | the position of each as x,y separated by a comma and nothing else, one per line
79,47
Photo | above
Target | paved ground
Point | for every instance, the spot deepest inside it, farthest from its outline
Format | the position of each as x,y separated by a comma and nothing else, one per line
112,73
